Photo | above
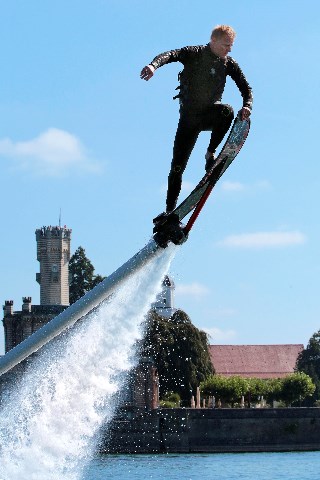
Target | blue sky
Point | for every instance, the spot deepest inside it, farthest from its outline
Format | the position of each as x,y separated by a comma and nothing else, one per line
80,131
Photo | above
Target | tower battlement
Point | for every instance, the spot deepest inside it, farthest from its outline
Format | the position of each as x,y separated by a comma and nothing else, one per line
53,232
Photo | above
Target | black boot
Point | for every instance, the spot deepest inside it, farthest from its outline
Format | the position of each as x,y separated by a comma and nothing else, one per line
167,227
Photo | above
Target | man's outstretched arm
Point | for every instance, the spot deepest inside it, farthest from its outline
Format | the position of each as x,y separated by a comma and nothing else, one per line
178,55
147,72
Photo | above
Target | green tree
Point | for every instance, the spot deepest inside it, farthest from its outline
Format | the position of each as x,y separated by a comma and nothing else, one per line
296,387
180,351
214,385
309,363
236,387
273,389
170,400
257,388
81,275
293,388
227,389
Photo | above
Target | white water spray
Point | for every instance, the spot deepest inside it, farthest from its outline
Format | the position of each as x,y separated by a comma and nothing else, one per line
49,423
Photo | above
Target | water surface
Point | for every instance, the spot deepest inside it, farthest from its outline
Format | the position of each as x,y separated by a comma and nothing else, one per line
228,466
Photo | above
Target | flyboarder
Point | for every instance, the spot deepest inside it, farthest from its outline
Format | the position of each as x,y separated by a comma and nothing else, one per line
202,83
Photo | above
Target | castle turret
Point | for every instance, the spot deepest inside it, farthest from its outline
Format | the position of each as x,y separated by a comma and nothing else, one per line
8,307
9,334
26,304
53,253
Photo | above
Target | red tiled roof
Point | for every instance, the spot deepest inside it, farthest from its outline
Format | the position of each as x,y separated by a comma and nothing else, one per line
262,361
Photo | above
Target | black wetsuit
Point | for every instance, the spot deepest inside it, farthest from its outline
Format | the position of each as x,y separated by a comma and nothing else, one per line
202,83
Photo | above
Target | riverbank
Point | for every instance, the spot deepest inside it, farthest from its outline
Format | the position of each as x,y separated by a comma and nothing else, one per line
216,431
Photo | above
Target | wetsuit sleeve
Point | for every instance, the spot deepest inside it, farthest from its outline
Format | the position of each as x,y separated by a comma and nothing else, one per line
240,80
178,55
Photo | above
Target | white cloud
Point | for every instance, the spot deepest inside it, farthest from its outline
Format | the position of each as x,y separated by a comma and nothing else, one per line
228,186
195,290
53,152
232,187
263,239
217,335
263,184
187,187
222,313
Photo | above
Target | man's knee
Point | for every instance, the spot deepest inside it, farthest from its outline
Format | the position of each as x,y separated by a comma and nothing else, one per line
226,117
227,111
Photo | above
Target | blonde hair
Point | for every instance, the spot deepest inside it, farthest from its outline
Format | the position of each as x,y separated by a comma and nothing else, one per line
221,30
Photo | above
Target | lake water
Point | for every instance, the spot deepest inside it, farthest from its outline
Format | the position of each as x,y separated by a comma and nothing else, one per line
228,466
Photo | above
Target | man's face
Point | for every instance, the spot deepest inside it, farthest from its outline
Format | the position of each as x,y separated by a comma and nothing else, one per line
221,46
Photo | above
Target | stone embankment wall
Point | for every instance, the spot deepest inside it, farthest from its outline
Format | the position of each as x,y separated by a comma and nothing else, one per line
216,430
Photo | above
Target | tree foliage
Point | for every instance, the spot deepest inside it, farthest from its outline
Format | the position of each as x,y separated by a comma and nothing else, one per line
296,387
81,275
257,388
170,400
273,389
290,389
228,389
180,351
309,363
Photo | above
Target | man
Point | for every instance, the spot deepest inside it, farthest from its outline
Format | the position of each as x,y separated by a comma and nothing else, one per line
202,83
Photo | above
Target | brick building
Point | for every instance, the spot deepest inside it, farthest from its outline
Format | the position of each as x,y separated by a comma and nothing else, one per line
260,361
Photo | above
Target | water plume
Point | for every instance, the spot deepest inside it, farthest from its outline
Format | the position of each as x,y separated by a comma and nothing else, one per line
50,421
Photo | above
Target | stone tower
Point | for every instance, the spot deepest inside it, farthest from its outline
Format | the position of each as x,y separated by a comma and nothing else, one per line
53,253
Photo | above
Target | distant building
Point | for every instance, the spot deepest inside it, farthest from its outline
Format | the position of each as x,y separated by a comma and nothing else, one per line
260,361
164,304
20,324
53,254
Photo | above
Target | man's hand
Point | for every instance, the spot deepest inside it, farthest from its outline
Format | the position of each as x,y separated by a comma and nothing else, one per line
147,72
244,113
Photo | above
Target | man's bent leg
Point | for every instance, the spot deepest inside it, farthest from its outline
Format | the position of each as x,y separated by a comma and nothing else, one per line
222,116
186,137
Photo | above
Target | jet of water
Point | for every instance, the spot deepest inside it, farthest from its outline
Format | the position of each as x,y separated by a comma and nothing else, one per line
50,421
